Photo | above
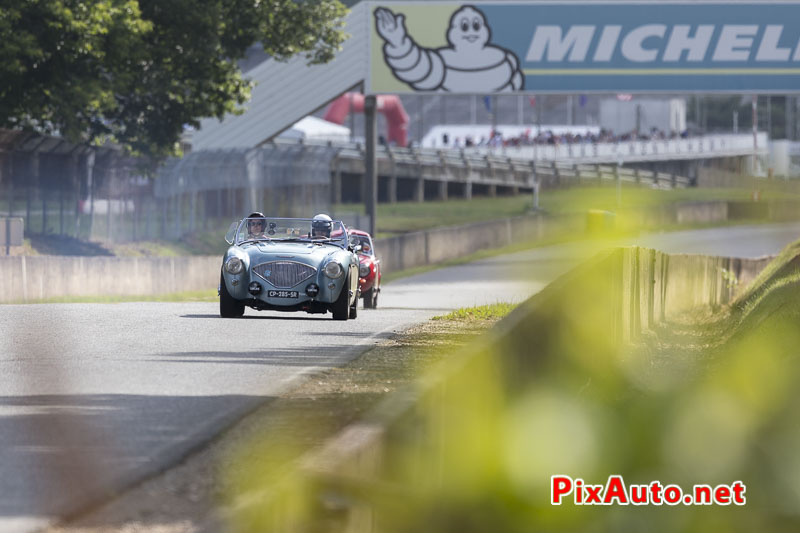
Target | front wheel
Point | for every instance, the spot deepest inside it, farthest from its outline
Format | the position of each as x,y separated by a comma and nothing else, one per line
371,299
229,307
341,307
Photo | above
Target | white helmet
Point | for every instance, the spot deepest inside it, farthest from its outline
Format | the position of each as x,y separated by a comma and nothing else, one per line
321,225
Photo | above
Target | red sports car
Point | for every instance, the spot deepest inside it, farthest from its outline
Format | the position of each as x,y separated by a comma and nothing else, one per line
369,271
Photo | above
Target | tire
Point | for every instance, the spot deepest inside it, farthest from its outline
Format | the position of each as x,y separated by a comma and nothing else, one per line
229,307
369,298
340,308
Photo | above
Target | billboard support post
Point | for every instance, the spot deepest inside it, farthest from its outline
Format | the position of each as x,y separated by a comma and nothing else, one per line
370,170
754,106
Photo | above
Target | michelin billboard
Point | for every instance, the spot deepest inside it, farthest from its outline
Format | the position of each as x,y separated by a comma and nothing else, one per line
573,47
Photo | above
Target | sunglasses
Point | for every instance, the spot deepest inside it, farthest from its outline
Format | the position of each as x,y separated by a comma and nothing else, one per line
251,224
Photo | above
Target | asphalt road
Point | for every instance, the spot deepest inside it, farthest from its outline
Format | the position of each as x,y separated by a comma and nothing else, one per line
96,396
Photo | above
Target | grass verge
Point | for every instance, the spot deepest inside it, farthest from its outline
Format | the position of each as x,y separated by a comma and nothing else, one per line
478,315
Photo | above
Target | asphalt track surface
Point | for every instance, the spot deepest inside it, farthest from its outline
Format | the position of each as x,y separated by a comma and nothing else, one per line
96,396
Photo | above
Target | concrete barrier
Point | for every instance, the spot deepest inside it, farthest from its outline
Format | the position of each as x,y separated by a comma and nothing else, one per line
442,244
701,213
32,278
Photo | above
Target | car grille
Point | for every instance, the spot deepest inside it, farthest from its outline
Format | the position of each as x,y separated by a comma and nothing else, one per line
284,274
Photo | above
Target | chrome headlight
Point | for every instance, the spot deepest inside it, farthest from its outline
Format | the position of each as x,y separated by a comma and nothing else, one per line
334,270
234,265
363,271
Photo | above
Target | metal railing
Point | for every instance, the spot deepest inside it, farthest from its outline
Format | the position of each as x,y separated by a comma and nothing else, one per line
705,147
509,166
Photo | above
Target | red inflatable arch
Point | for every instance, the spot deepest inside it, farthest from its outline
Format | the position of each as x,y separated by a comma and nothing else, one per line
388,104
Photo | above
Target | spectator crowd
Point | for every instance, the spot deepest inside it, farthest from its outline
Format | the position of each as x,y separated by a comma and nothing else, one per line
496,138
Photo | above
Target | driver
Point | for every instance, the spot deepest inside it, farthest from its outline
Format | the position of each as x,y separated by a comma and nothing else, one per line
321,226
255,225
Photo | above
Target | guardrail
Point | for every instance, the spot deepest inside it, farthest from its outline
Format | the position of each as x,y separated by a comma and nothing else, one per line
603,173
730,145
510,168
520,166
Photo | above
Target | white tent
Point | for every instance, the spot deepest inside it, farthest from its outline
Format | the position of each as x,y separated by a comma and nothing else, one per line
316,129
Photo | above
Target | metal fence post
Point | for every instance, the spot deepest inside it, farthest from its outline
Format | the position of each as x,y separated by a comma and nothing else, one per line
147,216
134,196
636,318
10,196
178,215
108,213
162,228
193,211
76,198
336,185
90,166
651,289
664,281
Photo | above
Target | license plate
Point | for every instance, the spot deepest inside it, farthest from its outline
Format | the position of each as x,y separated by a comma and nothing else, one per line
282,294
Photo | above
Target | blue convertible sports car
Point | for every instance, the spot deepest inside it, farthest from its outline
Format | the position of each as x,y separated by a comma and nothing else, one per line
289,264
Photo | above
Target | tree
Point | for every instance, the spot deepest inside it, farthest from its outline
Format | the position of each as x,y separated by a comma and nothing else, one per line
138,72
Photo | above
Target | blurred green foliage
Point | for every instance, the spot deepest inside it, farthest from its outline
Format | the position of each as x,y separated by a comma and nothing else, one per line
709,399
139,71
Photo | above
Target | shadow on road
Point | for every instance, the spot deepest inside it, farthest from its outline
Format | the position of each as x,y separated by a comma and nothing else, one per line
284,357
61,453
263,317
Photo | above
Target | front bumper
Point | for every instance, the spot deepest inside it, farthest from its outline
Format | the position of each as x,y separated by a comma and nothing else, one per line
329,290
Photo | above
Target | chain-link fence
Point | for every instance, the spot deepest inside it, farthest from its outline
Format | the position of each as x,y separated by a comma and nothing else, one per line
284,180
96,194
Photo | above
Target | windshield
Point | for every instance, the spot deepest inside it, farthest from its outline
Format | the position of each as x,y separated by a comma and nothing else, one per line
366,245
291,230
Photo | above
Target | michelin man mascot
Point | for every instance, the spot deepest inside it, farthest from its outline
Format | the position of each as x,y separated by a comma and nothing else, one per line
469,64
